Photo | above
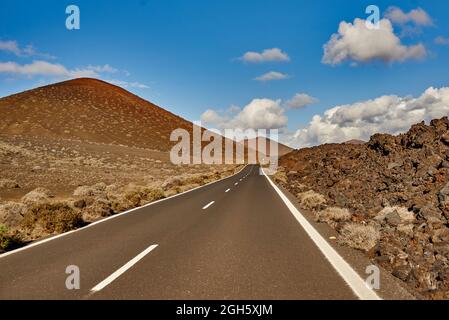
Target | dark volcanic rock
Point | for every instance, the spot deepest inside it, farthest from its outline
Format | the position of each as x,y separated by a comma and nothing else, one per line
410,171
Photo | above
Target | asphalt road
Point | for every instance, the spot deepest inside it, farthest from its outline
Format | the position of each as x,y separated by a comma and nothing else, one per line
233,239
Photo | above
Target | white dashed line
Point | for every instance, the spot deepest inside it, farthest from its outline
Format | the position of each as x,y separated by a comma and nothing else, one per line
236,183
208,205
123,269
228,190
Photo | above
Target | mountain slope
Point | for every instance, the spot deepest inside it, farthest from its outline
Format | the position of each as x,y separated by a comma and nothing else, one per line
89,110
282,148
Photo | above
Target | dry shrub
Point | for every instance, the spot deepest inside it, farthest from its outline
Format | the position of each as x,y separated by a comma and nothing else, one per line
88,191
280,176
359,236
111,188
198,179
333,215
37,195
136,197
100,208
8,184
46,218
311,200
11,213
172,182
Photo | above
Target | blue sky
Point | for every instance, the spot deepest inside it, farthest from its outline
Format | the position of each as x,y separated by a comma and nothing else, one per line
184,55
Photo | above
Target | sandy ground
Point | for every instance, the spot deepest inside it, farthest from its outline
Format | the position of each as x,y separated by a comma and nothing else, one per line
63,165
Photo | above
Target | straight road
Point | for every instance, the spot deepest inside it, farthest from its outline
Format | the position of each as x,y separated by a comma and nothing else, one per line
233,239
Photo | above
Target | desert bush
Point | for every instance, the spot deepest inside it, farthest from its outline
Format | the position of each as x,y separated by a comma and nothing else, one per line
88,191
111,188
37,195
8,240
311,200
280,176
8,184
359,236
45,218
136,197
333,215
4,238
11,213
172,183
101,207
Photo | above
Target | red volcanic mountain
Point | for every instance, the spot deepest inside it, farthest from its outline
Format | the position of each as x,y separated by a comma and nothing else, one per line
89,110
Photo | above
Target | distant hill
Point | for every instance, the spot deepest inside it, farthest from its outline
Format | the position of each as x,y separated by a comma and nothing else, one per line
282,148
89,110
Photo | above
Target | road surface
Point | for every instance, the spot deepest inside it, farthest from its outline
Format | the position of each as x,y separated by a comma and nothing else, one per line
233,239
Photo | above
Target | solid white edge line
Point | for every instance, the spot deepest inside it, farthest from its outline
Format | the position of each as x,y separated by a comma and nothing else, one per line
123,269
208,205
39,242
349,275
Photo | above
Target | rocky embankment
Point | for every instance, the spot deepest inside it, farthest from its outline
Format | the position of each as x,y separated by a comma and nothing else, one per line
388,197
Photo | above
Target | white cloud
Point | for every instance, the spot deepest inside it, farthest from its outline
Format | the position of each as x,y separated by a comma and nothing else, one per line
13,47
43,68
10,46
126,84
442,41
357,43
387,114
417,16
258,114
103,69
272,75
300,100
267,55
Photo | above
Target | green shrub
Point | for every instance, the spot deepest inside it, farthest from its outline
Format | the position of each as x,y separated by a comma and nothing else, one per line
9,240
4,238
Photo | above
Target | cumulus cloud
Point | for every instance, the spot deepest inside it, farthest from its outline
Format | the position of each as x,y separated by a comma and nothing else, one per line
43,68
416,16
300,100
272,75
387,114
258,114
11,46
442,41
357,43
267,55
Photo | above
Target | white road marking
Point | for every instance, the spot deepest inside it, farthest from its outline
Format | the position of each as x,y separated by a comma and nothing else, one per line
228,190
123,269
37,243
349,275
208,205
236,183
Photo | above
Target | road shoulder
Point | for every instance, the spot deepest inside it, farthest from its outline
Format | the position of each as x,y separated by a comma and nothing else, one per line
391,288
